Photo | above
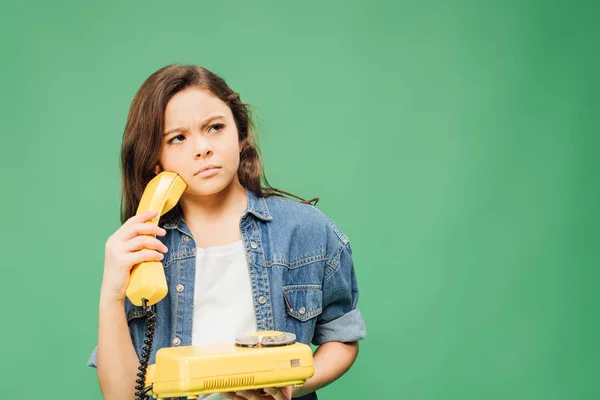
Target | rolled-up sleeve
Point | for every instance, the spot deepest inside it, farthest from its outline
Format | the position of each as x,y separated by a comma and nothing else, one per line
93,360
341,320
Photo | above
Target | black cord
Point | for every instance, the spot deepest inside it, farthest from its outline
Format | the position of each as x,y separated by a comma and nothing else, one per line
146,351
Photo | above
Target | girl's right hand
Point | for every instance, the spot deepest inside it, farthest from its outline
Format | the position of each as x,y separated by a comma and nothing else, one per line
127,247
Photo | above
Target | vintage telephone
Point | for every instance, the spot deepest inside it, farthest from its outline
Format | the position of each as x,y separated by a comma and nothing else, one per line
256,360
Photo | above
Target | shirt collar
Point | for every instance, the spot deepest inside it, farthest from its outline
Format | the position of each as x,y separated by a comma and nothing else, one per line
257,206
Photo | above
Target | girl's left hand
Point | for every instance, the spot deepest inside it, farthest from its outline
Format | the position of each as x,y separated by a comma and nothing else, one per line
283,393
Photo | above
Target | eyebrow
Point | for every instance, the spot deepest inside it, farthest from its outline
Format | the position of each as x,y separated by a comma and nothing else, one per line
204,124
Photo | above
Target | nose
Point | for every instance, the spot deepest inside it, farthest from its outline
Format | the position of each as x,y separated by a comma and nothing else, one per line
203,148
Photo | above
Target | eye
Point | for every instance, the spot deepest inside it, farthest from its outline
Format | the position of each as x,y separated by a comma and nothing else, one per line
176,139
219,127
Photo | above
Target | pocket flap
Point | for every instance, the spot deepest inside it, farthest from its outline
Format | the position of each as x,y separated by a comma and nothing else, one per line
303,302
133,311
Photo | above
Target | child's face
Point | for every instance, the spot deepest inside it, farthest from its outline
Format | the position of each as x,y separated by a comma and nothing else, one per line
193,142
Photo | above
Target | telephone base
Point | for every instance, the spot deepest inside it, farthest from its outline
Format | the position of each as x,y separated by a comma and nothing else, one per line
195,394
189,371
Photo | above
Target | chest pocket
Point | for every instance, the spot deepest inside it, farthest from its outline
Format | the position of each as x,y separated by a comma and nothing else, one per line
303,302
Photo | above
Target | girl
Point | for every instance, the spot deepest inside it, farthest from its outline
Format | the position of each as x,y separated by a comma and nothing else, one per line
238,256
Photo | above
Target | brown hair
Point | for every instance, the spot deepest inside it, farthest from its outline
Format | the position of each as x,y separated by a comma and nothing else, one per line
142,138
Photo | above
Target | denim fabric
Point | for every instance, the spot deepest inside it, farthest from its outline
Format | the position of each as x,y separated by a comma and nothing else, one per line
301,271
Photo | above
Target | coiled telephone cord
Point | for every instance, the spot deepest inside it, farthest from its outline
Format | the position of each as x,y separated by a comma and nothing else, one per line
146,351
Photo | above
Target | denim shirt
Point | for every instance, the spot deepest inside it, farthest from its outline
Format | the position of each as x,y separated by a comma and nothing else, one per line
301,272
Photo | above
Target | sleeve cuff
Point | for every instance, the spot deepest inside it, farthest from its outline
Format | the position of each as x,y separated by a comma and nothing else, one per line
93,360
350,327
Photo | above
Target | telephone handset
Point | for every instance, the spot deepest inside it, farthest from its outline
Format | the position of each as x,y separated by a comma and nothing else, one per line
147,280
256,360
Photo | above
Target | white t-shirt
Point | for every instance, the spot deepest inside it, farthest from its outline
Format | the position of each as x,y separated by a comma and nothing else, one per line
223,306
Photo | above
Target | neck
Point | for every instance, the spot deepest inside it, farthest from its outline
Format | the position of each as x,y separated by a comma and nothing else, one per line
230,202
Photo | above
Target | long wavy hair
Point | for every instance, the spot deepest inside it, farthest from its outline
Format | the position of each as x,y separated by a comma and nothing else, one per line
142,137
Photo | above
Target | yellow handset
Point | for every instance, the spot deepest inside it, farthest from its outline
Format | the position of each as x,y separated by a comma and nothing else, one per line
147,279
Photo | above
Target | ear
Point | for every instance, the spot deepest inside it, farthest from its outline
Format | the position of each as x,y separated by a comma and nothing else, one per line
157,169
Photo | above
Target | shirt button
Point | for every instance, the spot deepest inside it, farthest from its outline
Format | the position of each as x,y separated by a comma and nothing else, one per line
176,341
262,299
302,310
186,239
253,245
179,288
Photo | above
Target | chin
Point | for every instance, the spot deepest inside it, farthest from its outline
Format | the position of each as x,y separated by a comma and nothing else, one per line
207,188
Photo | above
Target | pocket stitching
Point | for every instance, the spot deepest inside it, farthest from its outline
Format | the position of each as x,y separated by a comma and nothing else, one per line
294,313
297,263
133,314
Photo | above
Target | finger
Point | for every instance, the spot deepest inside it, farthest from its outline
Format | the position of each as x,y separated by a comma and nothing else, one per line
250,394
144,242
233,396
281,393
144,255
276,393
145,228
143,217
136,219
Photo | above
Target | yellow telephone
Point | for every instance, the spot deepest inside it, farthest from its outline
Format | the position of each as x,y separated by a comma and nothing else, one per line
148,278
256,360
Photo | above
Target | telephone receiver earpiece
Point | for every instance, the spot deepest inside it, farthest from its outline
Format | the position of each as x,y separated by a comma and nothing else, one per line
147,280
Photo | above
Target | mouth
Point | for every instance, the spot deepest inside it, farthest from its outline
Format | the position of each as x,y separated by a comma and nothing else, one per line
207,170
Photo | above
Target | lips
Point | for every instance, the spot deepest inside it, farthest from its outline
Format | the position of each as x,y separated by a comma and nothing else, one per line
207,168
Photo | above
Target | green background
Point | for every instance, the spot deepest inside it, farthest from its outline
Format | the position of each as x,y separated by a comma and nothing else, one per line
456,144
